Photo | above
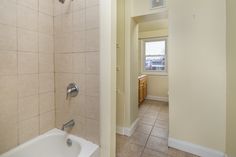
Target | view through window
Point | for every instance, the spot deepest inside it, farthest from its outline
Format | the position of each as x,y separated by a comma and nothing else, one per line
155,58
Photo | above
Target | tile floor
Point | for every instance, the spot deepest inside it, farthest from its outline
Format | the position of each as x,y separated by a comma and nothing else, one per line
150,137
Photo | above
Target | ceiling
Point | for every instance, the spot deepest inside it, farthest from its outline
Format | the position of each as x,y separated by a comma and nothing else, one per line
153,25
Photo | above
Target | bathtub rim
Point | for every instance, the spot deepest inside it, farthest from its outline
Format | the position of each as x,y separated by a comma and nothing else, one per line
87,147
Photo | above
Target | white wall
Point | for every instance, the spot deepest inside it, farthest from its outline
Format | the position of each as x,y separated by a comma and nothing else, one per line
197,72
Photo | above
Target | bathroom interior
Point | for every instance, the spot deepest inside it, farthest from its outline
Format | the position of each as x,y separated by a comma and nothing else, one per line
75,80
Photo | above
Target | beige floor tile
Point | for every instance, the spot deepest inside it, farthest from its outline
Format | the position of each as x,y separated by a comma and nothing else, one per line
147,120
139,138
163,116
150,153
162,124
131,150
157,144
150,137
144,128
160,132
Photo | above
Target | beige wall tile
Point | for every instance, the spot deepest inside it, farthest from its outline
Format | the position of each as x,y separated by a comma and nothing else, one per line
62,117
47,121
67,23
46,82
79,128
8,12
8,88
8,134
63,63
46,102
79,63
92,40
9,108
79,41
63,43
27,40
92,107
62,80
79,20
67,7
57,24
33,4
28,85
27,63
61,102
79,4
27,18
28,107
8,40
80,80
92,130
57,8
45,43
90,3
45,23
27,50
28,129
77,106
92,17
92,85
8,63
46,6
92,63
46,63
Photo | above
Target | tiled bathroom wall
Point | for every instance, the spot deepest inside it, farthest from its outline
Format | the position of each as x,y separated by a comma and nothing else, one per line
26,70
76,45
44,46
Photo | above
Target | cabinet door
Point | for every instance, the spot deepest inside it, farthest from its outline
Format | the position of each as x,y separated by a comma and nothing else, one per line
141,94
145,90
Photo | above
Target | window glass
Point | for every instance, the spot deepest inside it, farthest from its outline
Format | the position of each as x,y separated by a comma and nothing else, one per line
155,56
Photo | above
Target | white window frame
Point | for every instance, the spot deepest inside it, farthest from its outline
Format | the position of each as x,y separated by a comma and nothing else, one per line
153,72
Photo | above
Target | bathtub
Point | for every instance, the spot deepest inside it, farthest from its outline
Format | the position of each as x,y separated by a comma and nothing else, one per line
54,144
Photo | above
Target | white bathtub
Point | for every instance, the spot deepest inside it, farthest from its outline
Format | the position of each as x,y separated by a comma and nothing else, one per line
53,144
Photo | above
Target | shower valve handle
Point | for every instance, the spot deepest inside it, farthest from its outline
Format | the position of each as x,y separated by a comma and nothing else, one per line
72,90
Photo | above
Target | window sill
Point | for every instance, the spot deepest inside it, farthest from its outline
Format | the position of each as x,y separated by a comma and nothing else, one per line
155,73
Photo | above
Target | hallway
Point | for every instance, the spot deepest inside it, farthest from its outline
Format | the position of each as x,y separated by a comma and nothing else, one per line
151,136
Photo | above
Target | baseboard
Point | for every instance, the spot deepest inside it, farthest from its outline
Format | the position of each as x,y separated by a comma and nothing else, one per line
157,98
194,149
127,131
120,130
227,155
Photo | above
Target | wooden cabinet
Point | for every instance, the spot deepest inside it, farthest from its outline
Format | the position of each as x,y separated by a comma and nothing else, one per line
142,81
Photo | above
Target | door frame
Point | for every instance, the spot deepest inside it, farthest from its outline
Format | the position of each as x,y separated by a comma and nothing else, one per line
107,77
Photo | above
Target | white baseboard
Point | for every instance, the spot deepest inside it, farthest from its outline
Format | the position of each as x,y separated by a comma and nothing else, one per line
127,131
194,149
157,98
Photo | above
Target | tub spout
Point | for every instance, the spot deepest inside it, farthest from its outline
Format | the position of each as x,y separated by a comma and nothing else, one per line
69,124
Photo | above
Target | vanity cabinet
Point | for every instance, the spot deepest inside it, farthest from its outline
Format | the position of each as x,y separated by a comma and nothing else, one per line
142,81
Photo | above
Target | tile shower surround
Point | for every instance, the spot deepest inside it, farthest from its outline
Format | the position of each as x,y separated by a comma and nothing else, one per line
45,45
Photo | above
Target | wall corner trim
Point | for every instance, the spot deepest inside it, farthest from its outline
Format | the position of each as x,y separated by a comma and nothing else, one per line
127,131
157,98
194,149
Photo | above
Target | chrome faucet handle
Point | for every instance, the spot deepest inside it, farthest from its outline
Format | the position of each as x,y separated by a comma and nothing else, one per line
72,90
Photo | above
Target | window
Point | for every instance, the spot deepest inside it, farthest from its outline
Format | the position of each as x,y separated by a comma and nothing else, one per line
155,56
